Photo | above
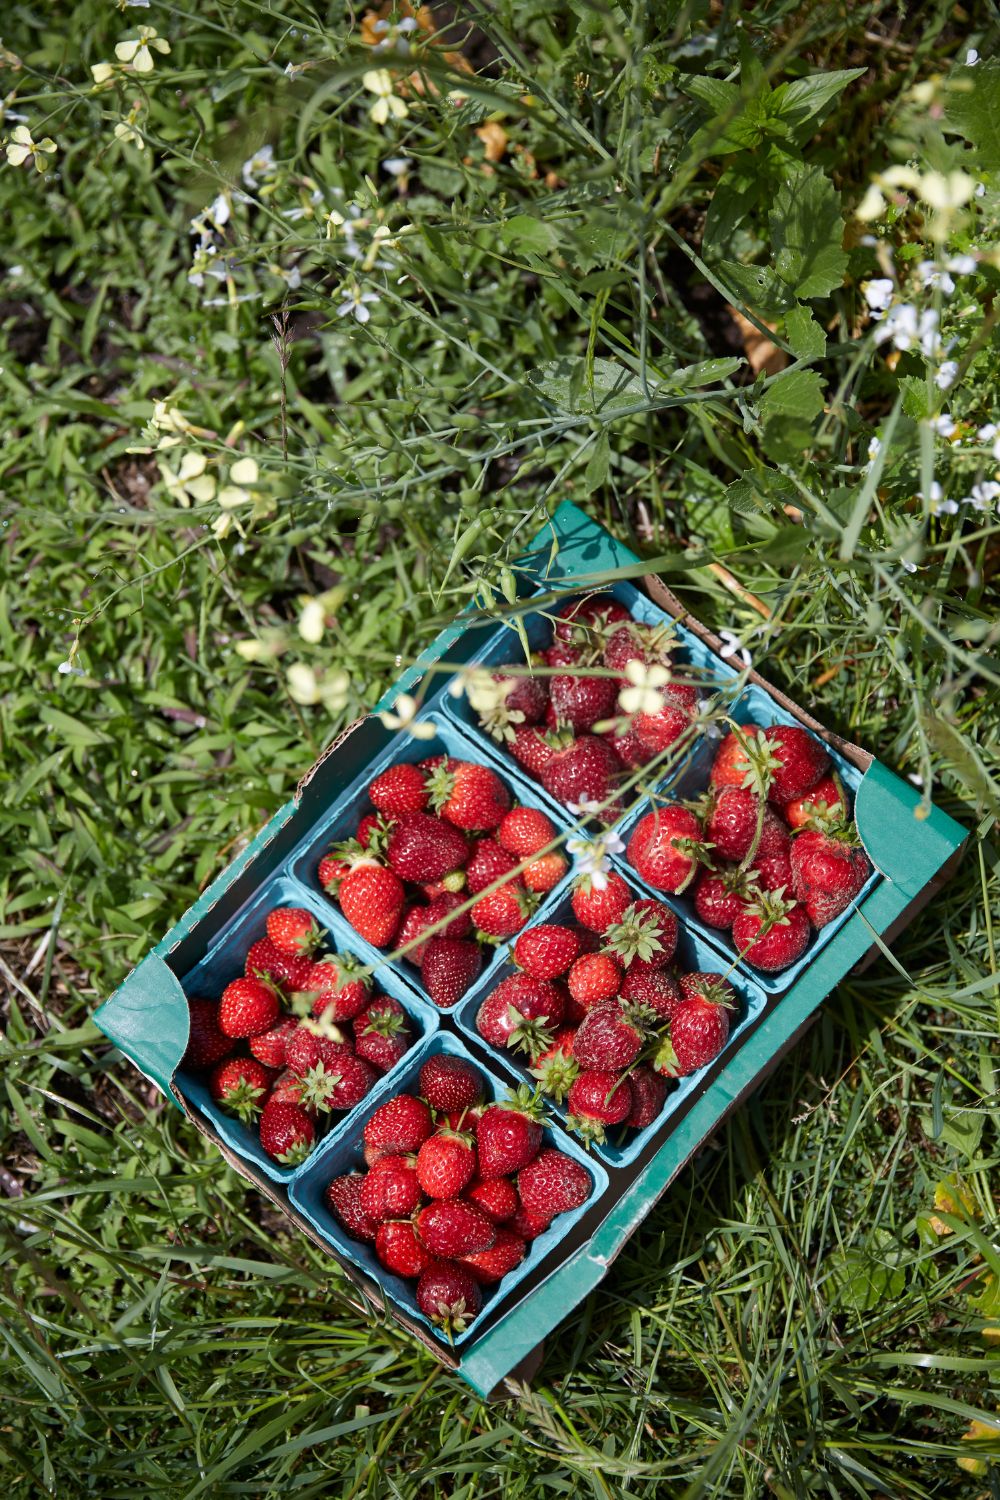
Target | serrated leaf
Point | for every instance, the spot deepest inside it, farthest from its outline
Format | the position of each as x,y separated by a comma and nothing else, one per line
526,234
796,393
806,337
759,287
736,193
973,109
807,232
719,96
564,382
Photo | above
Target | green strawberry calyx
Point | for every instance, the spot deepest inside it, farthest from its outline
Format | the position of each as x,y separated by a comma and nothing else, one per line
526,1101
295,1154
245,1099
316,1087
761,761
635,936
556,1075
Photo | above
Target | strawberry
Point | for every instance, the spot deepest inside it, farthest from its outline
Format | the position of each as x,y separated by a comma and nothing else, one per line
488,863
449,905
599,904
628,747
665,846
381,1035
207,1043
524,831
772,872
373,832
709,987
353,1079
338,987
422,847
584,770
400,789
270,1046
240,1084
649,1091
527,1225
331,870
464,1120
522,699
591,616
598,1098
286,1132
247,1008
343,1198
653,988
546,951
553,1184
496,1197
492,1265
594,977
448,967
449,1082
399,1126
310,1091
610,1037
521,1013
699,1027
293,930
509,1134
799,759
646,936
449,1296
306,1046
633,641
721,895
471,797
399,1250
501,913
828,872
825,805
531,748
450,885
265,961
732,822
657,732
771,932
555,1069
446,1162
581,701
391,1189
543,872
372,898
450,1227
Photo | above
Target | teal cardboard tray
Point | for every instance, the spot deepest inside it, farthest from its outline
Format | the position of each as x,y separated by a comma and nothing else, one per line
913,854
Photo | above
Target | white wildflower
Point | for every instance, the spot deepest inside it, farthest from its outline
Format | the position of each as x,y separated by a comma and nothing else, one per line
963,265
643,697
138,50
732,648
932,275
261,164
987,432
387,104
404,716
878,294
971,58
943,424
947,374
356,304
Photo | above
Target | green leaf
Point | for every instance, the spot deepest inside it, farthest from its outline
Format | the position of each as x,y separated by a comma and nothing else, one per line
862,1281
564,382
916,400
973,109
707,371
524,233
807,231
718,95
802,100
736,194
797,393
806,337
600,460
759,287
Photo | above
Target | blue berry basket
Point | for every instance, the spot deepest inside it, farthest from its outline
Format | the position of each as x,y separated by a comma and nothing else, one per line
342,1152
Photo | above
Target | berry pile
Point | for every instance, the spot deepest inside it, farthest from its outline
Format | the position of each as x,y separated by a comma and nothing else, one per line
438,835
565,727
770,853
603,1016
297,1037
455,1188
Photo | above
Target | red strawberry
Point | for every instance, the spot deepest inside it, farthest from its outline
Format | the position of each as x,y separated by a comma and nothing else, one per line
391,1189
649,1091
492,1265
594,977
591,617
446,1162
531,748
465,1120
628,747
771,932
470,796
399,1250
449,1082
664,847
310,1092
372,898
286,1132
598,1098
709,987
657,732
825,805
354,1079
527,1225
585,770
305,1047
521,1013
343,1198
381,1035
799,760
449,1295
599,904
524,831
496,1197
721,895
340,987
772,872
546,951
399,1126
489,863
555,1069
269,1048
448,967
828,871
400,789
444,906
610,1037
525,699
543,872
293,930
580,700
501,913
633,641
509,1134
450,1227
415,921
207,1044
247,1008
654,988
265,961
699,1027
240,1084
732,822
373,832
422,847
646,936
552,1184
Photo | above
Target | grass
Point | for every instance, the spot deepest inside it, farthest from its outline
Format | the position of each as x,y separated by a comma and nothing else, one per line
813,1308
